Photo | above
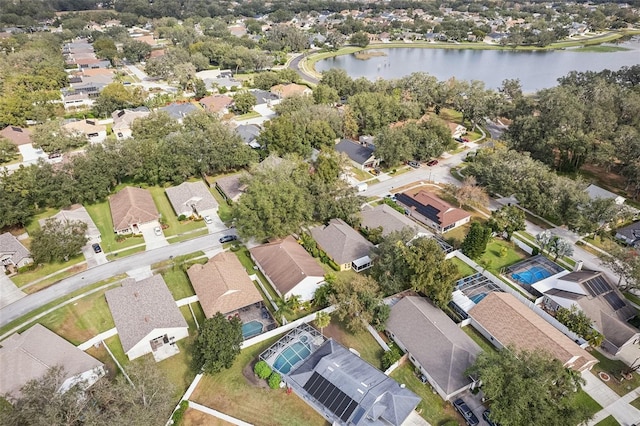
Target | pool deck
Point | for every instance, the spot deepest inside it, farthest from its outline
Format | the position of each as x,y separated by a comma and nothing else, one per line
312,342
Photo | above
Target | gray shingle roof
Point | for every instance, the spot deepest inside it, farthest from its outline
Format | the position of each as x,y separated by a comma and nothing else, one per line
595,191
76,213
341,242
12,248
179,111
389,219
436,342
138,308
191,196
355,151
380,400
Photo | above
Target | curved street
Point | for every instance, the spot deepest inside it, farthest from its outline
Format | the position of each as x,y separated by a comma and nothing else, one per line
294,64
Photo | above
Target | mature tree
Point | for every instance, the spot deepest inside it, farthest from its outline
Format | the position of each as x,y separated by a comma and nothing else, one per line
360,39
105,48
625,263
374,111
58,240
243,102
577,321
218,343
543,239
389,264
8,151
135,51
507,220
52,138
560,247
529,388
324,94
339,80
469,193
116,96
596,215
322,320
475,243
356,301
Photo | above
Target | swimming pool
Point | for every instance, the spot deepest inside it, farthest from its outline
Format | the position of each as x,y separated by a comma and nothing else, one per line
290,356
532,275
250,329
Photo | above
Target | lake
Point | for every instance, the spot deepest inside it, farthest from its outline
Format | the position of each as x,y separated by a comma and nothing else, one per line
535,69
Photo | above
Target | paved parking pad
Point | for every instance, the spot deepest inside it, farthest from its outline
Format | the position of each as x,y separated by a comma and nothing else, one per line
152,240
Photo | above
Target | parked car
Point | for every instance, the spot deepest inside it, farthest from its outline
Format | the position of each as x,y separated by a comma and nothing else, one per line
458,140
414,164
227,239
96,248
486,415
465,140
157,230
208,220
466,412
432,162
374,172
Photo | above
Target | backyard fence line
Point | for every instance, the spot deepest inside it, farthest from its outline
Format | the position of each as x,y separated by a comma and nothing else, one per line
377,337
97,339
187,301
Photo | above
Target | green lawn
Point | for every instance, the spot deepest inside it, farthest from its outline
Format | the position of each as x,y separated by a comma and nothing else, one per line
362,341
464,270
636,403
608,421
178,283
245,259
360,174
479,339
169,217
614,368
589,404
101,215
34,224
224,209
127,252
189,236
116,349
432,408
177,260
79,321
232,393
247,116
632,297
45,269
494,261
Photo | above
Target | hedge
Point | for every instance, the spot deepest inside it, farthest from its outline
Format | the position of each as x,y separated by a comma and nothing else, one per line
262,369
177,416
274,380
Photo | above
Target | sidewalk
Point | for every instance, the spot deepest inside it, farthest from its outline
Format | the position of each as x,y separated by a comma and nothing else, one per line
612,404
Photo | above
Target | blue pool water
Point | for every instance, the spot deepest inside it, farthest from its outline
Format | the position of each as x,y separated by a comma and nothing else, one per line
532,275
250,329
290,356
478,297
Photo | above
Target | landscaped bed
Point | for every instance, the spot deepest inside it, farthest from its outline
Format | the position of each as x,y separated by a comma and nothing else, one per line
614,369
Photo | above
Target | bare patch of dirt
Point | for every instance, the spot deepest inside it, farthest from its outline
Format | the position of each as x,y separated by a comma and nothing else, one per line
251,377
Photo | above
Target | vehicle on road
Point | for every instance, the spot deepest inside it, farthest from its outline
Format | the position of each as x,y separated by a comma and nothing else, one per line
486,415
227,239
432,162
96,248
414,164
466,412
362,186
157,230
208,220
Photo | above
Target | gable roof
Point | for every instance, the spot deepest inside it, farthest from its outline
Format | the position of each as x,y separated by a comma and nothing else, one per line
232,185
341,242
248,132
357,152
76,212
123,118
132,206
360,394
222,284
216,103
432,207
388,218
514,324
286,263
140,307
263,97
12,248
291,89
29,355
17,135
179,111
191,195
595,191
85,127
435,341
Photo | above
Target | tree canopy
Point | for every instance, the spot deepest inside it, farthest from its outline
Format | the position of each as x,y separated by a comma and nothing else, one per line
218,343
58,240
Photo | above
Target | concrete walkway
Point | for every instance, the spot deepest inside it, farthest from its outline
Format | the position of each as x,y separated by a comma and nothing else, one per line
218,414
613,405
9,292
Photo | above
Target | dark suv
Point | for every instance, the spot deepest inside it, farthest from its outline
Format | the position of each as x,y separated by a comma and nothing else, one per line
486,415
466,412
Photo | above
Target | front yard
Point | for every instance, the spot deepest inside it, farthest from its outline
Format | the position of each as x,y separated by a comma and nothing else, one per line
613,369
45,269
101,215
169,218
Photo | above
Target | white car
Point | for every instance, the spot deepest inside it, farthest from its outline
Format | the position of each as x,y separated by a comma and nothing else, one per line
157,230
208,220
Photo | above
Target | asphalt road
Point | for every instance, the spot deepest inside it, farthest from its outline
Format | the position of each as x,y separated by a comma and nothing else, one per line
102,272
295,65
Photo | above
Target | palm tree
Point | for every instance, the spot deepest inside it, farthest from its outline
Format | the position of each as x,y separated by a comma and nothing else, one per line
322,320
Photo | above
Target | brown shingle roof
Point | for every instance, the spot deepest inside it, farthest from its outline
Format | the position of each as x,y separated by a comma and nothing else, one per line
216,103
286,263
138,308
132,206
514,324
341,242
446,213
286,90
17,135
222,285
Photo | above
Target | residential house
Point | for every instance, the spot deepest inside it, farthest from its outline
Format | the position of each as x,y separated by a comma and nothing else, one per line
130,208
603,303
457,130
287,90
435,344
249,134
346,390
29,356
73,100
290,270
229,83
21,138
179,111
343,244
432,211
389,219
94,132
231,187
630,234
263,97
192,199
596,192
77,213
147,318
13,254
222,285
124,118
361,155
505,321
216,104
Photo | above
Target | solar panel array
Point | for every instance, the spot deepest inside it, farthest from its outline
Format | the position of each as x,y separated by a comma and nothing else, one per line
429,212
597,285
615,301
327,394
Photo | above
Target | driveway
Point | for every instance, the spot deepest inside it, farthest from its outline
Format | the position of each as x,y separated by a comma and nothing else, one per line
216,224
9,293
93,258
475,403
152,240
31,154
